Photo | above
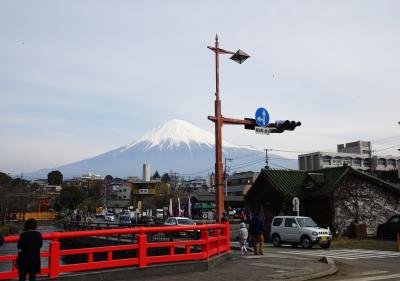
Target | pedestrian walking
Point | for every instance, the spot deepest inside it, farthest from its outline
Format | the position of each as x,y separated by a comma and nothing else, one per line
1,239
243,236
29,244
257,229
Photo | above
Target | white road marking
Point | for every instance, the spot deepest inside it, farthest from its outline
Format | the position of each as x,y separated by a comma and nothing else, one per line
371,272
373,278
346,254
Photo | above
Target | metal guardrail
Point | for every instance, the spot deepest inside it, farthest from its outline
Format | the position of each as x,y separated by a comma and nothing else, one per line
143,246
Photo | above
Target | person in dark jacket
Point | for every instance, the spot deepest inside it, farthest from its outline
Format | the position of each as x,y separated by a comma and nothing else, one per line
1,239
29,244
256,230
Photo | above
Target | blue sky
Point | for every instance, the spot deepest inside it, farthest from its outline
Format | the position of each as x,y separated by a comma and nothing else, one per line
78,78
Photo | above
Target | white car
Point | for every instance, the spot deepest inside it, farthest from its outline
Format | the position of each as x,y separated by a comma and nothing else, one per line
299,230
182,221
109,217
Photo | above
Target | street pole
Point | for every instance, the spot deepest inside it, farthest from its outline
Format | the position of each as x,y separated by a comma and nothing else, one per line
238,57
219,192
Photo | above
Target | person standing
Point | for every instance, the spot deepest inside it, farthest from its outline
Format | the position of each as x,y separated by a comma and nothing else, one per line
29,244
243,235
257,229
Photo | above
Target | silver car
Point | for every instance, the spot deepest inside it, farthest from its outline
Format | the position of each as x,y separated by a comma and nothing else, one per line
299,230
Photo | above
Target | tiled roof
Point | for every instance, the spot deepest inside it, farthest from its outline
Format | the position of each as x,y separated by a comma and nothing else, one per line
287,181
291,182
318,178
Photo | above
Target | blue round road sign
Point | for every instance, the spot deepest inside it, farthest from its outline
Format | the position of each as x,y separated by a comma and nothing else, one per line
262,117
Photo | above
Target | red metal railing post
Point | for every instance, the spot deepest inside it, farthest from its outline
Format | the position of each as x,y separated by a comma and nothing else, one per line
216,233
142,243
54,258
205,246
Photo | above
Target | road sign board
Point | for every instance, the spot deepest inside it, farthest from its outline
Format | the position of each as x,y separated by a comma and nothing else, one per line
259,130
296,203
262,117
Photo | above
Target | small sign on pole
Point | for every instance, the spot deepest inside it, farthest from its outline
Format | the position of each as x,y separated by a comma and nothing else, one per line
260,130
296,205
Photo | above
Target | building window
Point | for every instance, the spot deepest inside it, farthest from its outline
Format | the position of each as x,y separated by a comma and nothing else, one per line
382,161
347,161
391,162
124,189
367,162
326,160
357,162
337,161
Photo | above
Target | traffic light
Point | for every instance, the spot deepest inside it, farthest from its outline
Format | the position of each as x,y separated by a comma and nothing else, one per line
285,125
278,127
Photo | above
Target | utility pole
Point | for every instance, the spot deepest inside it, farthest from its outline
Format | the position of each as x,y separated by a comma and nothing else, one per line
225,176
370,157
266,159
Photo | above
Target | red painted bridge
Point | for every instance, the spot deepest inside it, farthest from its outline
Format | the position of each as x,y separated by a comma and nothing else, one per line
141,242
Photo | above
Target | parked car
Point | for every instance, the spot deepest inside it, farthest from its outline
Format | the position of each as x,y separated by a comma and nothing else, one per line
109,216
389,229
182,221
299,230
125,219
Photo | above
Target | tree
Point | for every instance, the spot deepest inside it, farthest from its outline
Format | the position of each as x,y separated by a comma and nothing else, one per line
165,178
156,175
108,179
71,197
5,179
55,178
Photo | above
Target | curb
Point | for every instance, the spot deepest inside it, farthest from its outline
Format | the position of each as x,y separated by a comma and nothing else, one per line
332,270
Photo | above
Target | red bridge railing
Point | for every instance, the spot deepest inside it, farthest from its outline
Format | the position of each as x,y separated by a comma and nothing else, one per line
211,239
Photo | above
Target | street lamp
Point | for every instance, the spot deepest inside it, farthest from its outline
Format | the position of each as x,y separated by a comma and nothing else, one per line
218,120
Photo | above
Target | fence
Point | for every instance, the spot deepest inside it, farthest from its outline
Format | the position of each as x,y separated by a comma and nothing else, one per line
143,246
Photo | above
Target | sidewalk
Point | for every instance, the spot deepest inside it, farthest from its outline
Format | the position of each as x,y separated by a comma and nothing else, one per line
257,268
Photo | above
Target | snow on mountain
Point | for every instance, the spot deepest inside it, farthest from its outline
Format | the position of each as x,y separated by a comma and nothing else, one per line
175,145
173,134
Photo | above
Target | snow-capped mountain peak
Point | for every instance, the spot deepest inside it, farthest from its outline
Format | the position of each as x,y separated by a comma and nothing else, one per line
174,133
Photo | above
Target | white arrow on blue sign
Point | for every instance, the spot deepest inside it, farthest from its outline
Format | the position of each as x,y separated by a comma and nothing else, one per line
262,117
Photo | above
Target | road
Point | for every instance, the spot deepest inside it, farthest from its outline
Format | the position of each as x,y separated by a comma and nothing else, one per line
353,265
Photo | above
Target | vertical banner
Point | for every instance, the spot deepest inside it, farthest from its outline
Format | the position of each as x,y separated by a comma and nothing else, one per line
170,211
179,207
189,208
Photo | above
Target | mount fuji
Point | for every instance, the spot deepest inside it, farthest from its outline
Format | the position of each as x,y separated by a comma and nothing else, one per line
175,145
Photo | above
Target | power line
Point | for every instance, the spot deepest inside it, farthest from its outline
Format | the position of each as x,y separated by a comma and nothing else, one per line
387,148
387,138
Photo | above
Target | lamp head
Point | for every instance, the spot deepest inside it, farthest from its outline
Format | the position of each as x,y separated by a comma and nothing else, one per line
240,56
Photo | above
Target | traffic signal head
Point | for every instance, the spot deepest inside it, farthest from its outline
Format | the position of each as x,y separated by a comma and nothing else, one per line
282,125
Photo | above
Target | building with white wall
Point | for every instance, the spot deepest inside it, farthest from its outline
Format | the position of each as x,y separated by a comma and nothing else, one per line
355,154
